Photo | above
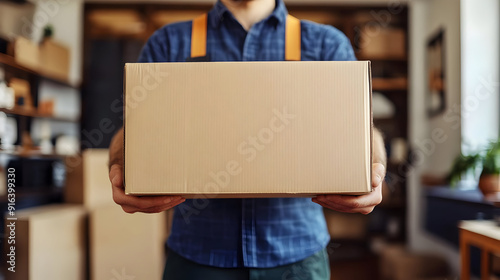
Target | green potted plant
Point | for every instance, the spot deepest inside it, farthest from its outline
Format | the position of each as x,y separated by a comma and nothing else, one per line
489,160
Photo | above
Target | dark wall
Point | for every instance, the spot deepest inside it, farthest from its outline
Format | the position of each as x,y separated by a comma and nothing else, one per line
102,93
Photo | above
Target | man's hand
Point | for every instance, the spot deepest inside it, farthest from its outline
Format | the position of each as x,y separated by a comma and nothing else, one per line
357,204
365,203
132,204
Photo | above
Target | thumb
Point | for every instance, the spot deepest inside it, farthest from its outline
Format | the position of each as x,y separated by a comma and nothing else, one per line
378,174
116,175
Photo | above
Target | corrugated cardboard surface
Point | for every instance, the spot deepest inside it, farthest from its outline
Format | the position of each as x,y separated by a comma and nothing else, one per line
50,243
26,53
87,179
130,246
248,129
54,59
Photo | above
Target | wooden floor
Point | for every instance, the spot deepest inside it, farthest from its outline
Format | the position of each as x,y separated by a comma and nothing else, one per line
352,260
359,269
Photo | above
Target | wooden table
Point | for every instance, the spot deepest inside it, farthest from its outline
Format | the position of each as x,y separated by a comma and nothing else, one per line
482,234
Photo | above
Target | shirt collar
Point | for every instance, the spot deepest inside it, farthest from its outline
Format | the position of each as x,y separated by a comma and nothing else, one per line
219,13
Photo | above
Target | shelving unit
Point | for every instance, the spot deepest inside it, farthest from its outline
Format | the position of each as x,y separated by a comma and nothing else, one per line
26,198
34,114
389,84
390,78
10,63
35,153
26,159
383,58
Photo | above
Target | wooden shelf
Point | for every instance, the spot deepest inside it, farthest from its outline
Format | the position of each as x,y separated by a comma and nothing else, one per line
10,61
389,84
33,197
34,114
384,119
384,58
31,154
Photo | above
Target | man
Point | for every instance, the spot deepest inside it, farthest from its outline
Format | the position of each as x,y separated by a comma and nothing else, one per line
274,238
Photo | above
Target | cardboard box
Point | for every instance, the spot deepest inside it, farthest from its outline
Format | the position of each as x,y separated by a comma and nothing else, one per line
50,58
54,59
26,53
50,243
248,129
87,179
380,42
398,263
126,245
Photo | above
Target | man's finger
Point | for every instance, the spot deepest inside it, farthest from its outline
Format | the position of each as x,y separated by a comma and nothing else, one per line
164,208
354,202
144,202
339,208
129,209
116,175
378,174
332,206
155,209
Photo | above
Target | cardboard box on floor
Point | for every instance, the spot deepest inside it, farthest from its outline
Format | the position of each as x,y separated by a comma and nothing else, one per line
124,244
50,243
248,129
115,237
87,179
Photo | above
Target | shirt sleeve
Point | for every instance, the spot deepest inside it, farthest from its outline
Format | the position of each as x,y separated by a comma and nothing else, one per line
336,46
155,49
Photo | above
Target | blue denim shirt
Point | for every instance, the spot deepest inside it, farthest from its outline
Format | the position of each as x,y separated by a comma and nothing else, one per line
264,232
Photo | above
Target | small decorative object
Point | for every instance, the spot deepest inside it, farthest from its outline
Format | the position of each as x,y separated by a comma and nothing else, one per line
399,150
46,107
48,31
3,124
20,101
59,174
45,143
489,184
382,107
6,93
22,92
3,93
10,134
9,98
26,142
3,181
436,79
67,145
489,159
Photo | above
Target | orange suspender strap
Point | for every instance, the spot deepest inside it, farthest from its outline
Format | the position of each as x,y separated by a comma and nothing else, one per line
292,38
199,37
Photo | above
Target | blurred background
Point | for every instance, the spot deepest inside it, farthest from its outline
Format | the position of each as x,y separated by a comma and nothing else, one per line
435,68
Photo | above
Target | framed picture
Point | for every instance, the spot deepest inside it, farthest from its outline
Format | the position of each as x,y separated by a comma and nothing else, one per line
436,74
